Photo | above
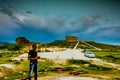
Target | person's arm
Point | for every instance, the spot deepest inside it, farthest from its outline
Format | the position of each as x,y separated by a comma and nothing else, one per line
29,57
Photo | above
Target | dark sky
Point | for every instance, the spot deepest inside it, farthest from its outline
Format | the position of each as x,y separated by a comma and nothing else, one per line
49,20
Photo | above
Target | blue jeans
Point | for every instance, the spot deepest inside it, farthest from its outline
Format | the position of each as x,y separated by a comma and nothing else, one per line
33,67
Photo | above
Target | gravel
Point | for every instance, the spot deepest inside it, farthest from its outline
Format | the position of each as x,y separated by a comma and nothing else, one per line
76,78
67,54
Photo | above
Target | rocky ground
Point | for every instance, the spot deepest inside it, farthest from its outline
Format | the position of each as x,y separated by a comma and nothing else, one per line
66,78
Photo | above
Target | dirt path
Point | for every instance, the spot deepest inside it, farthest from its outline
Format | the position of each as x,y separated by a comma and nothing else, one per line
66,78
76,45
67,54
7,65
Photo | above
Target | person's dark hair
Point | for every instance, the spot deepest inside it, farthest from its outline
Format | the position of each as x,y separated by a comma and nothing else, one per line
34,45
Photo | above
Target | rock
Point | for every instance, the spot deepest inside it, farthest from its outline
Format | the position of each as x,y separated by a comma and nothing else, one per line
57,69
21,40
1,74
78,72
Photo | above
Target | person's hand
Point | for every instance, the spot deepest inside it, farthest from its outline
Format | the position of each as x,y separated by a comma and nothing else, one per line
38,57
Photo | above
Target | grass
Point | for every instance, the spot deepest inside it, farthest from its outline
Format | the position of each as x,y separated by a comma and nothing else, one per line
46,66
98,68
91,69
74,61
113,57
5,57
21,69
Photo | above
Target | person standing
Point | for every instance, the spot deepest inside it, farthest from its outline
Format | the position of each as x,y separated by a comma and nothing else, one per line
32,56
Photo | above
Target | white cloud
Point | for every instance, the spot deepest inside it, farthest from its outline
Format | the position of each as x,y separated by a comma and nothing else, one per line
90,20
20,17
54,25
111,32
7,25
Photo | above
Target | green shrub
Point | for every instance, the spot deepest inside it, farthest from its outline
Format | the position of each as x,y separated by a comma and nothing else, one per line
97,67
62,43
0,55
73,61
4,46
113,57
68,68
16,62
14,47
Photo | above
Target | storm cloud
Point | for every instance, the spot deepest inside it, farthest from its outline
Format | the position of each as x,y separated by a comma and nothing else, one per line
93,19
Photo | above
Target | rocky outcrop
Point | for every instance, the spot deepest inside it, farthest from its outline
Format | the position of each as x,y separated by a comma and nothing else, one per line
22,40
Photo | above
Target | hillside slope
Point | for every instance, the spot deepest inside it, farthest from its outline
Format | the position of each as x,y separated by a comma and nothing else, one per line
104,46
84,45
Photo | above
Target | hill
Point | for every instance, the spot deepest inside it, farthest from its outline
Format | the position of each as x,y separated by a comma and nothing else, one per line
104,46
61,43
4,45
84,45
